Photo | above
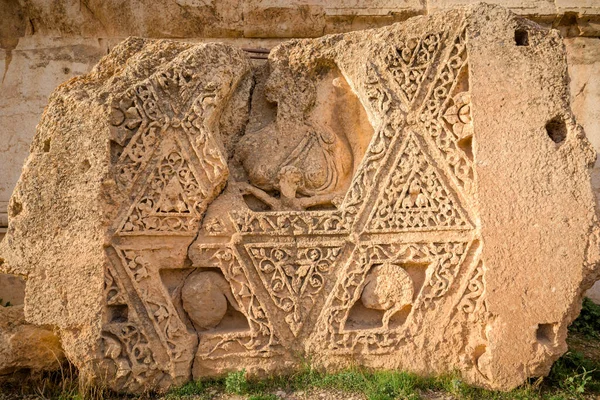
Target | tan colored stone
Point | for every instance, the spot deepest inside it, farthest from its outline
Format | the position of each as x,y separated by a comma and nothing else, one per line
26,347
104,107
583,55
414,197
206,296
29,73
12,289
522,7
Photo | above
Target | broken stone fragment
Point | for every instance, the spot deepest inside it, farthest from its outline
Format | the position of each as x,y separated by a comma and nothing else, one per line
26,347
414,197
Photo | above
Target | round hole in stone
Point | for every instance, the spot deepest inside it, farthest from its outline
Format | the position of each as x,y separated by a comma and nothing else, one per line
557,129
521,37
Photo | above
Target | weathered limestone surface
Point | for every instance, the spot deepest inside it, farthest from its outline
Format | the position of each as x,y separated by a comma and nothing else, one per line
79,212
48,42
367,197
12,289
24,346
30,72
584,68
256,18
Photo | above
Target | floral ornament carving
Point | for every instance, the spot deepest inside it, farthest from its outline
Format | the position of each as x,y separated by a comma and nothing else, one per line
415,197
459,115
293,276
127,351
173,201
410,61
259,340
443,262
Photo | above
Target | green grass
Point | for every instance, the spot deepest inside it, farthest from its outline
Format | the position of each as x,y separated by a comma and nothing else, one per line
569,379
588,322
572,377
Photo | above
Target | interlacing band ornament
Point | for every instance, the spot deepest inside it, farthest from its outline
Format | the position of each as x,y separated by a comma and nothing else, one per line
309,271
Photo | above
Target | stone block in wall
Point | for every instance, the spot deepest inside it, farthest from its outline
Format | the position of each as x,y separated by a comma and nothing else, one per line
4,203
114,18
581,7
522,7
415,197
314,18
205,19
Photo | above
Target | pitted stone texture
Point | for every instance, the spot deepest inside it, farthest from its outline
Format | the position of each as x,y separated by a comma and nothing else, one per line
386,204
26,347
142,133
12,289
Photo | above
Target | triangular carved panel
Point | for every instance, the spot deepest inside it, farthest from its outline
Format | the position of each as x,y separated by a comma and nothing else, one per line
415,197
294,276
173,198
422,273
410,61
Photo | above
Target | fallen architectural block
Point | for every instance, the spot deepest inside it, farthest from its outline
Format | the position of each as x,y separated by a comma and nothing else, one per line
414,197
26,347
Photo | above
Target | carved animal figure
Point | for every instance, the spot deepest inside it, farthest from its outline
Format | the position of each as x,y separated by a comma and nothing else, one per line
205,295
388,287
309,153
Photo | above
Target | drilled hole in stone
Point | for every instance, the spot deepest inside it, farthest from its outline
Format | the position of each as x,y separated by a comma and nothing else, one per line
118,313
545,334
521,37
46,146
557,129
14,208
466,145
85,165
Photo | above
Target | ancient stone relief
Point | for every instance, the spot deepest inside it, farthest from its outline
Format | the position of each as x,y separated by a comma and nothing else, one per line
321,204
345,225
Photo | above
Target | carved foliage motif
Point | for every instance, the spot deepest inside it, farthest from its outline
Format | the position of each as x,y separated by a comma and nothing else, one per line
167,112
166,160
473,298
169,327
259,339
443,262
409,61
129,356
294,276
291,223
415,197
173,201
416,176
446,117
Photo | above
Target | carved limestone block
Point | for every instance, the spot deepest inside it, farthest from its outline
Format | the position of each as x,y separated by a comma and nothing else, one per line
414,197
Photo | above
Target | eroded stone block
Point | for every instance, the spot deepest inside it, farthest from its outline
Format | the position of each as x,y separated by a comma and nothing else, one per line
25,346
413,197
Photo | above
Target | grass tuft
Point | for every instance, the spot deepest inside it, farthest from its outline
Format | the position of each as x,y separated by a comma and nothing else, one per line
574,376
588,322
236,382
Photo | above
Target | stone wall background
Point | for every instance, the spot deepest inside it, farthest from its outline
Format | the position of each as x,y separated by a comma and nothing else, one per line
46,42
